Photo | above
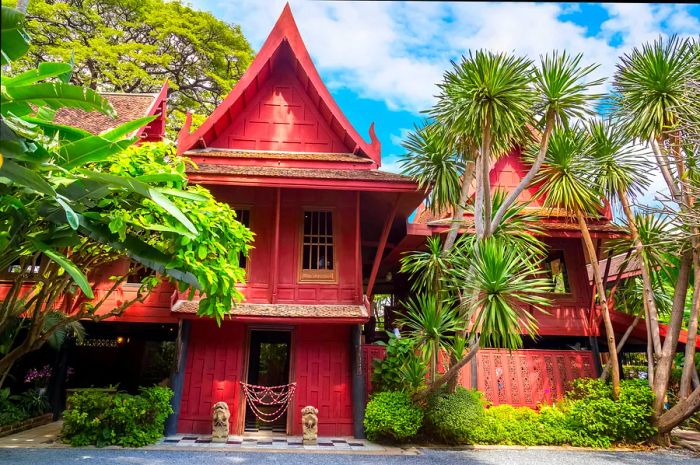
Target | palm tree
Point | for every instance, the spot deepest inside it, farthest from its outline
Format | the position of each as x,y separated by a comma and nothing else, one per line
568,182
508,287
622,174
651,85
485,100
429,325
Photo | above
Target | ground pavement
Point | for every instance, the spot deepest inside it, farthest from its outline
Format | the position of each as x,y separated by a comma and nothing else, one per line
425,457
39,447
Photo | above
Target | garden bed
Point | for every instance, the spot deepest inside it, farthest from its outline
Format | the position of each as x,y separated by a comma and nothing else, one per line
24,425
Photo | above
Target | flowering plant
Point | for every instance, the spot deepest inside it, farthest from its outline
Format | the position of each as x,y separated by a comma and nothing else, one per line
40,377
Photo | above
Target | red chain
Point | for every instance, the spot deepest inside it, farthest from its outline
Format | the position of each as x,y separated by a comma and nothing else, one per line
268,396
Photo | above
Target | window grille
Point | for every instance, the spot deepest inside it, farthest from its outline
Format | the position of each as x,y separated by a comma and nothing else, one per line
317,252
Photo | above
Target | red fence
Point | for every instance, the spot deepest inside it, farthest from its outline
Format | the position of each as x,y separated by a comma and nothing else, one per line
520,378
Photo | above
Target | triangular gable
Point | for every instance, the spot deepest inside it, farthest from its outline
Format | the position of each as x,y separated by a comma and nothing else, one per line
280,104
507,173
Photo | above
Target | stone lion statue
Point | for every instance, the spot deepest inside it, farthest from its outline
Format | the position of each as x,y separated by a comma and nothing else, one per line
219,422
309,423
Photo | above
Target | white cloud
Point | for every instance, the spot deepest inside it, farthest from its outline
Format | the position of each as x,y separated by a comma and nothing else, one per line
397,52
397,139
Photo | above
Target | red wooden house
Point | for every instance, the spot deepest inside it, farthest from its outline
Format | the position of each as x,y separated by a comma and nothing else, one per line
280,150
330,229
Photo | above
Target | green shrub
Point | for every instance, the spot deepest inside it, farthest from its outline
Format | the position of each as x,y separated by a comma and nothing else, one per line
452,417
102,418
401,369
392,416
10,412
605,420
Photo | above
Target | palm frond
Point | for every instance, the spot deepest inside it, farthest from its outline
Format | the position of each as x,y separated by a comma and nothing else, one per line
564,87
650,85
621,165
432,161
567,177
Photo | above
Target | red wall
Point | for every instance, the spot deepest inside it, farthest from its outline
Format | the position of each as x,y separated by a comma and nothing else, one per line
323,378
523,378
261,202
215,364
280,117
568,315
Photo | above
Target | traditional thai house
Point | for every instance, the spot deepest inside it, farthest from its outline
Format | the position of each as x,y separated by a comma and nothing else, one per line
280,150
330,228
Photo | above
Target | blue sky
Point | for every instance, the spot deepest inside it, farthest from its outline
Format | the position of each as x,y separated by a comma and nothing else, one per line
381,60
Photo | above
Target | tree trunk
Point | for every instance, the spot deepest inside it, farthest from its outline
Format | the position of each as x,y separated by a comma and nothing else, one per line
449,374
479,199
610,332
534,169
684,409
647,289
459,209
689,359
665,359
620,345
486,176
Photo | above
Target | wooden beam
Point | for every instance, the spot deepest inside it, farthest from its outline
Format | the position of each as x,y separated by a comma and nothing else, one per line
275,248
380,248
358,250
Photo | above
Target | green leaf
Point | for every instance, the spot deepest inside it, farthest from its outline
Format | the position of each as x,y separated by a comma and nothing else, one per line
184,194
53,95
52,129
77,275
202,252
126,129
25,177
44,71
13,39
170,207
91,149
71,216
160,177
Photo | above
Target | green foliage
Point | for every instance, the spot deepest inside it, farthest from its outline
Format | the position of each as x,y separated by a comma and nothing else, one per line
507,287
96,417
33,402
134,45
452,417
602,419
10,412
588,417
392,416
401,369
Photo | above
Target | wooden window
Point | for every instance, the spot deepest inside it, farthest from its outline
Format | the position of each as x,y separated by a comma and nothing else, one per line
555,270
317,249
15,268
138,277
243,217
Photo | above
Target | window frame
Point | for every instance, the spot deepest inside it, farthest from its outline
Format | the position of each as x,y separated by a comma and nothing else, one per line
249,209
318,276
571,294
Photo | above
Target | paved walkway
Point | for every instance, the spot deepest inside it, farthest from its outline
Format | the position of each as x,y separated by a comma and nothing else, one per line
426,457
41,436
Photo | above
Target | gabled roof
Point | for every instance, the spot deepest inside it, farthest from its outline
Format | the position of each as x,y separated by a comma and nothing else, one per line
129,106
283,44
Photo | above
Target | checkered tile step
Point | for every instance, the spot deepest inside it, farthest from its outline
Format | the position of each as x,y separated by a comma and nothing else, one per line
290,442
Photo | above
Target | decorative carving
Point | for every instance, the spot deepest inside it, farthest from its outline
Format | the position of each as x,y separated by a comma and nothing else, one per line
219,422
309,424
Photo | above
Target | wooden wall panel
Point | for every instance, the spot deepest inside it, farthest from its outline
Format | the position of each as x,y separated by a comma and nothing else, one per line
281,116
323,378
520,378
214,367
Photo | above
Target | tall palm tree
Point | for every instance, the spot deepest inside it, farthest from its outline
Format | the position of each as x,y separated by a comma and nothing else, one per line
623,174
651,85
486,99
568,182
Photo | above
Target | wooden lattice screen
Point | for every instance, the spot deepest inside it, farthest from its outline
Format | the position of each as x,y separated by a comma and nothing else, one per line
519,378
